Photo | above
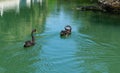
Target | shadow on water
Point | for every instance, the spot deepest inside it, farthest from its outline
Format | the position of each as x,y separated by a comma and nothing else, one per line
65,37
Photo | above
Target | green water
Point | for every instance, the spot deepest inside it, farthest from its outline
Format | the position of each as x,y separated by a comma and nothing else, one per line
93,46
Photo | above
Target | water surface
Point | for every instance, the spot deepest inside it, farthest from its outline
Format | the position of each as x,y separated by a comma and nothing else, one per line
93,46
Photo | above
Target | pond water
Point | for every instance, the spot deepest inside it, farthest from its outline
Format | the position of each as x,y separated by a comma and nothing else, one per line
93,46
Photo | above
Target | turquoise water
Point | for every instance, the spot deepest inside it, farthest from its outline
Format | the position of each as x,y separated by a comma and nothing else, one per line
93,46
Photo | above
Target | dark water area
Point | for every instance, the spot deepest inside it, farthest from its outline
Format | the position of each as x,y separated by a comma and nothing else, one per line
93,46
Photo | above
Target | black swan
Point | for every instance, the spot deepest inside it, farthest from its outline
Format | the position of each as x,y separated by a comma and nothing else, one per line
63,33
67,31
30,42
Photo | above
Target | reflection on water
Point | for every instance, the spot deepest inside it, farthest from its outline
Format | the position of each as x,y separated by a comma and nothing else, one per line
7,5
13,25
93,46
14,5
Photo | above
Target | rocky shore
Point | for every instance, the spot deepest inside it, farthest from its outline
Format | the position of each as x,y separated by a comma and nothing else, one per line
111,6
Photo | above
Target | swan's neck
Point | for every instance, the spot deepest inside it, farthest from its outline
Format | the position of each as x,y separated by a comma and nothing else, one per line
33,38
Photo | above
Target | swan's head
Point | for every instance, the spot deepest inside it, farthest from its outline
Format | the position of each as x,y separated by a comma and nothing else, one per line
68,28
34,30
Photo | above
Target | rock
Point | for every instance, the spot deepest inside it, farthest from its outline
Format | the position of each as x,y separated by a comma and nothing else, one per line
89,8
111,6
